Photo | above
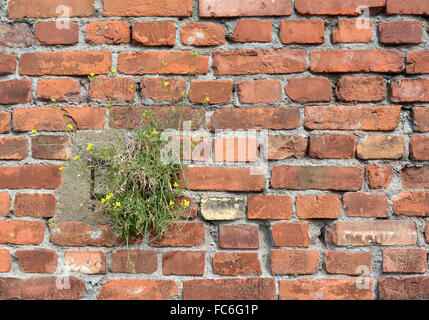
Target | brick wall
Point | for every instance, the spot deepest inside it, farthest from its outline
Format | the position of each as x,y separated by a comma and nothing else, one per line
332,205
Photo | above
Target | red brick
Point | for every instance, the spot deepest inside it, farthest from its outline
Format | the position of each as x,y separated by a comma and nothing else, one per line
51,147
57,119
427,233
76,63
366,89
368,233
420,119
115,88
320,178
13,148
37,261
235,8
108,32
45,288
309,89
325,289
252,30
389,61
259,61
229,289
410,90
419,148
405,260
412,204
36,205
4,260
283,147
236,263
62,90
223,179
260,91
148,8
218,91
181,234
290,234
154,89
138,289
235,149
4,204
255,118
400,32
379,176
302,31
7,64
369,118
335,7
15,91
416,7
269,207
48,9
176,62
294,261
47,33
87,262
154,33
238,237
183,263
381,147
16,35
30,177
415,177
21,232
418,62
332,146
4,122
350,263
360,204
134,261
403,288
352,31
202,34
322,206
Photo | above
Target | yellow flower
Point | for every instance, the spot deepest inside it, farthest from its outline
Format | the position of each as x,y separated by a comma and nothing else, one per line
176,185
106,148
165,84
171,203
76,157
53,100
110,195
185,203
34,131
206,100
70,126
112,70
117,204
103,200
92,74
89,148
155,132
61,169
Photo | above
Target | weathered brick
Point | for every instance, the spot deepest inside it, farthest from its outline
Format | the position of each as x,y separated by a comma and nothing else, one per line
183,263
352,31
229,289
236,263
325,289
134,261
400,32
139,289
350,263
154,33
4,204
419,148
283,147
223,208
420,119
7,64
218,91
201,34
416,7
418,62
30,177
309,89
294,261
368,233
381,147
47,33
21,232
259,91
235,149
269,207
379,176
403,288
51,147
15,91
154,89
290,234
415,177
360,204
5,123
148,8
302,31
13,148
235,8
405,260
19,9
62,90
4,260
320,178
255,118
389,61
37,261
366,89
321,206
369,118
181,234
87,262
332,146
36,205
410,90
108,32
115,88
238,237
75,63
252,30
17,35
335,7
414,204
